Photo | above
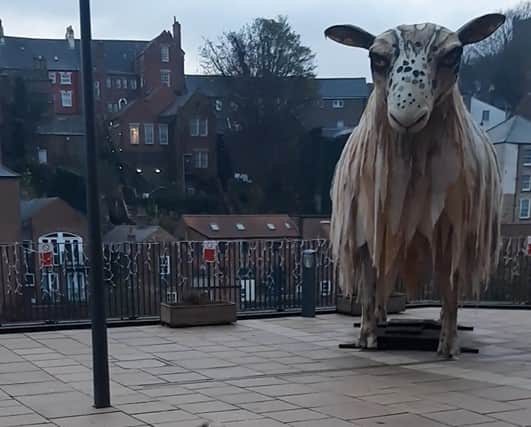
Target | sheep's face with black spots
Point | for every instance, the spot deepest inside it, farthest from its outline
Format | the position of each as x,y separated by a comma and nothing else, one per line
415,67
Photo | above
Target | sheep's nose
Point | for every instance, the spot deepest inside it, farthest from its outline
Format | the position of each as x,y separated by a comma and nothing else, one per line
409,121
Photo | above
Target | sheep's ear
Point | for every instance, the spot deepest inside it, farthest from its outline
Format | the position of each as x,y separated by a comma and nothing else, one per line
480,28
350,35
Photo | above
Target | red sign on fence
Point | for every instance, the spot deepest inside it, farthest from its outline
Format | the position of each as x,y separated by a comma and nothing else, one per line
209,251
529,246
46,255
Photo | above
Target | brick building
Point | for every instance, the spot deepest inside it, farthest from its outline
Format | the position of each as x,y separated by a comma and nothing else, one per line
10,191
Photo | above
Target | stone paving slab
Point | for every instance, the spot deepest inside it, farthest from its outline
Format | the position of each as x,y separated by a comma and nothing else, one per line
270,373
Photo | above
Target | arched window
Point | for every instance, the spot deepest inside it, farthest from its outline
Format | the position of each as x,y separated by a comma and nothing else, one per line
122,103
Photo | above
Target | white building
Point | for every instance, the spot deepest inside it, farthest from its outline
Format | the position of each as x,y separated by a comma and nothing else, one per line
485,114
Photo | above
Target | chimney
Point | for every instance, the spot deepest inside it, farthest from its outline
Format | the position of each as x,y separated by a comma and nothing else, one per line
2,40
70,37
177,33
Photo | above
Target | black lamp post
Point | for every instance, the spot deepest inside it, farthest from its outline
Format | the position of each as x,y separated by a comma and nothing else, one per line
100,362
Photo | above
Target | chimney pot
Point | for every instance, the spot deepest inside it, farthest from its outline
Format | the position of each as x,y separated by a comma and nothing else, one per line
70,37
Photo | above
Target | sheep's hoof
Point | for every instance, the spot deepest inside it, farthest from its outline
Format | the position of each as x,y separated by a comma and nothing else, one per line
368,341
448,350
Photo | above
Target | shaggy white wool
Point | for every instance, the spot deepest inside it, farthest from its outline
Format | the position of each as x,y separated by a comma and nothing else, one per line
412,198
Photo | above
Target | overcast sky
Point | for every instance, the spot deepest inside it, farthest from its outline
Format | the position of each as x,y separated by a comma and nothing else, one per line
145,19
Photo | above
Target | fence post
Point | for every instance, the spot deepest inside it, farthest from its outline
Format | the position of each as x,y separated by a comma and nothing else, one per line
308,283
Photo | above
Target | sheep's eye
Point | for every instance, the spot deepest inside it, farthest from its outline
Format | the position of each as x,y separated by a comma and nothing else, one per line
379,62
452,57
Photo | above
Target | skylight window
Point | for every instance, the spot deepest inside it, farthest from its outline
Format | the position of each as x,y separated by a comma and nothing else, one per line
240,226
214,226
288,225
271,226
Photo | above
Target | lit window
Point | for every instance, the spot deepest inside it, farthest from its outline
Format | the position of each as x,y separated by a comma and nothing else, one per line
43,156
526,183
526,156
219,105
201,159
165,77
97,91
66,98
132,84
271,226
108,82
165,54
52,76
148,133
65,78
240,226
163,134
485,116
338,103
214,226
134,133
118,83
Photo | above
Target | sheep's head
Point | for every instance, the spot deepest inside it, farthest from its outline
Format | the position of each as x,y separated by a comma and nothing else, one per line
415,66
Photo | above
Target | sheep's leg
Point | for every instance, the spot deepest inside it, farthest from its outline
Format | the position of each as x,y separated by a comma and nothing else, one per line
448,345
368,316
381,305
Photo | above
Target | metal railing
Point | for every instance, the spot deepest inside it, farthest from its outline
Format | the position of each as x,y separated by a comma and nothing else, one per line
49,283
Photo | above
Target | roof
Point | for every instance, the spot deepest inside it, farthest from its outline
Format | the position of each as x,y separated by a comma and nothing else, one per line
20,52
137,233
28,208
211,86
231,227
315,228
515,130
342,88
7,173
63,125
177,104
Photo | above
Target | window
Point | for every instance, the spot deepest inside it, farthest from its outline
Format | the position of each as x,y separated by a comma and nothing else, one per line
115,107
163,134
485,116
109,108
338,103
198,127
97,91
203,127
65,78
240,226
132,84
201,159
526,156
108,82
194,127
526,183
148,133
524,208
165,77
219,105
66,98
288,225
124,83
118,83
52,77
214,226
134,133
122,102
340,124
42,154
271,226
165,54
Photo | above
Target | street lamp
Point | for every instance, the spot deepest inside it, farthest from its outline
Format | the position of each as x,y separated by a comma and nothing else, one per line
100,357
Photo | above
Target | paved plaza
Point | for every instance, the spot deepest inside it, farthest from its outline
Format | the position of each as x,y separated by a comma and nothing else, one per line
270,373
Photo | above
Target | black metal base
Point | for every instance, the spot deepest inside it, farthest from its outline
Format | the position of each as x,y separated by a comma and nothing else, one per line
410,334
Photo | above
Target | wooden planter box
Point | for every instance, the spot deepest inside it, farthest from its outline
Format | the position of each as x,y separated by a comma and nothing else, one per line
180,315
396,304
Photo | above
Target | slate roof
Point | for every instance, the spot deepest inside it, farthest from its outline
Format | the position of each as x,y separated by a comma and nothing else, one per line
515,130
136,233
63,125
20,52
255,226
7,173
28,208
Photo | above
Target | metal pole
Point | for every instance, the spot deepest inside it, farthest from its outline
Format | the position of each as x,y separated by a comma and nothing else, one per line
308,283
100,362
